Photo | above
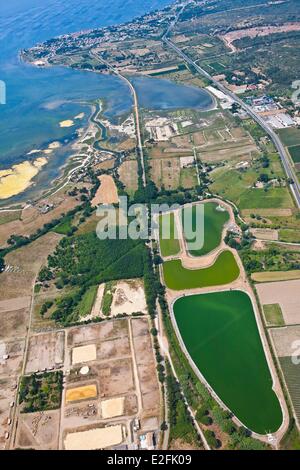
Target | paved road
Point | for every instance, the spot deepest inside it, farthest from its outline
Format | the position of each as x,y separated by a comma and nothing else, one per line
136,113
290,172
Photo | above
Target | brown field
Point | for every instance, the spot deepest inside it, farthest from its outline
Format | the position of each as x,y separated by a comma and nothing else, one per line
286,294
284,338
98,332
107,193
46,350
32,218
115,377
38,430
14,314
232,36
26,263
199,139
265,234
81,393
146,367
166,172
128,175
272,276
9,216
14,349
113,348
106,165
182,141
7,395
234,152
268,212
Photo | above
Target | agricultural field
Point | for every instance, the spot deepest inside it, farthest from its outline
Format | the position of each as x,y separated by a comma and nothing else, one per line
273,276
286,295
128,172
273,315
295,153
107,192
290,236
238,187
243,382
224,271
285,341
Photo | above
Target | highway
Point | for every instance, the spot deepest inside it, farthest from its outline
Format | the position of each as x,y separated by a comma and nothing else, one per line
288,167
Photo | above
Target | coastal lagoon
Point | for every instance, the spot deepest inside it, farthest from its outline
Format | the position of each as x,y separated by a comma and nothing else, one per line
220,333
39,99
161,94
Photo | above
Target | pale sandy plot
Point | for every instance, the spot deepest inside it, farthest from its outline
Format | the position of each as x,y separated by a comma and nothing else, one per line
97,438
265,234
112,408
84,354
107,193
129,297
286,294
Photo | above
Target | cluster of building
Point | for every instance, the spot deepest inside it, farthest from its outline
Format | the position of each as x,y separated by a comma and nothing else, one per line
272,111
161,129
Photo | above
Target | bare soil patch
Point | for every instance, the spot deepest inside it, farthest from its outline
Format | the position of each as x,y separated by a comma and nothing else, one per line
128,175
45,351
286,294
265,233
38,430
285,340
107,193
129,297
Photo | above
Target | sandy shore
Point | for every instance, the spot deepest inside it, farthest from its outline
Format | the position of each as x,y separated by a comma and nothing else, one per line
19,177
67,123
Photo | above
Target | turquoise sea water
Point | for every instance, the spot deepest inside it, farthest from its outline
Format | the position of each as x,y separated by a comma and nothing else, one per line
38,99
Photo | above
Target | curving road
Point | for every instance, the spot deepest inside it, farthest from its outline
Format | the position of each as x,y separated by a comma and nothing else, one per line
288,167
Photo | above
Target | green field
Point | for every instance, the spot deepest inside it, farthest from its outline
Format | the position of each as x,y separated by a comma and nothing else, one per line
214,221
224,271
168,246
86,303
64,227
221,336
287,235
236,186
295,153
290,136
292,378
273,314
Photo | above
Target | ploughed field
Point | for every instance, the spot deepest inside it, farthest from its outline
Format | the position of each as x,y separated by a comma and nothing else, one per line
220,333
214,221
224,271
